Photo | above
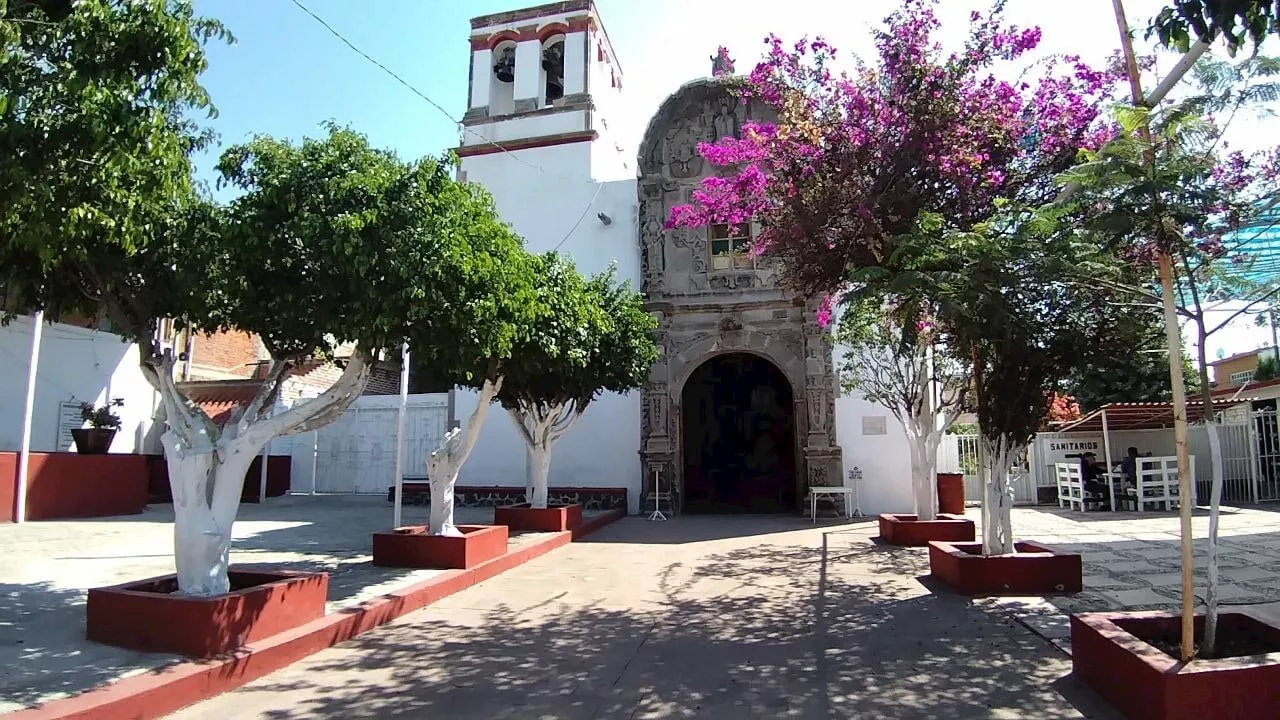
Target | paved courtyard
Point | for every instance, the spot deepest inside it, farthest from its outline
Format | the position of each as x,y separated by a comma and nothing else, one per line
1132,561
708,617
699,617
46,567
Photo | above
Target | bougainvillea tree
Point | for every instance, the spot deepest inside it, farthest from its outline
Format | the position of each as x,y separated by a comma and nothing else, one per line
856,159
890,359
856,156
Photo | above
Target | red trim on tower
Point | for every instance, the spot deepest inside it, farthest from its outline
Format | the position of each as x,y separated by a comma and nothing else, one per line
500,37
555,28
548,141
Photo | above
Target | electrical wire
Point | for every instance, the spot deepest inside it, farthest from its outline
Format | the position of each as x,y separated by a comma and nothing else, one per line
433,103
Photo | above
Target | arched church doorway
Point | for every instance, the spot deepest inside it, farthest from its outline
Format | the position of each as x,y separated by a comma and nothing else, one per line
738,435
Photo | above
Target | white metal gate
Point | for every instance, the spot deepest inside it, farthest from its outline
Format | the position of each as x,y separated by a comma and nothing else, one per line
1266,449
959,453
356,453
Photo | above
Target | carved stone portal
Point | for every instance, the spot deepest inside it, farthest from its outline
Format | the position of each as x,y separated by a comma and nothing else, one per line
705,313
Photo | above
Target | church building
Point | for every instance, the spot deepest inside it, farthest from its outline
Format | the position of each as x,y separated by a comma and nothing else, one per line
742,411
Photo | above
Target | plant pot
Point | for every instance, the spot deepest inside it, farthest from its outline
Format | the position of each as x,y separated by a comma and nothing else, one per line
149,615
951,493
899,529
93,441
412,547
553,518
1110,652
1032,570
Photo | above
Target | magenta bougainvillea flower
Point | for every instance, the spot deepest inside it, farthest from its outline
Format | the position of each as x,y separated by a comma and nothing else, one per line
854,157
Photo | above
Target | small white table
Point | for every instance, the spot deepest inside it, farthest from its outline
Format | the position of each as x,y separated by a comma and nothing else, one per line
816,490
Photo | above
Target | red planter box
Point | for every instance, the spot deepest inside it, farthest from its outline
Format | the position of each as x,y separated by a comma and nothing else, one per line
412,547
907,530
1141,681
553,518
70,485
1033,570
149,615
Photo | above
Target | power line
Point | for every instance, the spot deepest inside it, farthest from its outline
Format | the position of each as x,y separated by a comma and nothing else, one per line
433,103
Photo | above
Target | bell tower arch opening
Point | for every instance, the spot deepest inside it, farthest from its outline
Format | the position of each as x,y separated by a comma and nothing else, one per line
738,437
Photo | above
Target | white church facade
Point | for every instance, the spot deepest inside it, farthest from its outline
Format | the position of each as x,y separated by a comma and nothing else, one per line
742,411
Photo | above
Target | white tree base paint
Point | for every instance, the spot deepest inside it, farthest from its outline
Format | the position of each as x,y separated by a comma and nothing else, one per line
997,500
207,464
541,425
446,461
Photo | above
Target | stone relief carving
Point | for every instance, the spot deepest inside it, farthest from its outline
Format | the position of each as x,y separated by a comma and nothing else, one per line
725,123
681,156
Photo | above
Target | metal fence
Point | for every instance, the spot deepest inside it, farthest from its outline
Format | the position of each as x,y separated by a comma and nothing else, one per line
356,453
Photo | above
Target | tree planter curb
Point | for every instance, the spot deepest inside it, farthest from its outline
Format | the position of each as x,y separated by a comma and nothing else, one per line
553,518
148,615
412,547
906,530
1034,570
161,692
1141,681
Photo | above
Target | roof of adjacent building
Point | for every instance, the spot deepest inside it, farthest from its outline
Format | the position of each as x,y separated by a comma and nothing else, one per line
1141,415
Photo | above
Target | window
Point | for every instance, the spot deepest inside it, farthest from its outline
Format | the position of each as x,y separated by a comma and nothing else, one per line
731,247
1241,378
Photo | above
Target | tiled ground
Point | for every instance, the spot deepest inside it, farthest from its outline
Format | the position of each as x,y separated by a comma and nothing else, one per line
46,567
1132,560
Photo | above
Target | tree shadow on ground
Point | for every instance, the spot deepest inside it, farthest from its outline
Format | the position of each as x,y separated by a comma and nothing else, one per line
43,652
762,630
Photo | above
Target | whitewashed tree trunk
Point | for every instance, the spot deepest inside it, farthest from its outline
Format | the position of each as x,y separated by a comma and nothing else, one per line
997,497
1215,504
924,462
541,424
443,464
207,464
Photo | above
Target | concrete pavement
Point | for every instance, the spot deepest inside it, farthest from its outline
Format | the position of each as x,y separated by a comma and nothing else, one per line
716,617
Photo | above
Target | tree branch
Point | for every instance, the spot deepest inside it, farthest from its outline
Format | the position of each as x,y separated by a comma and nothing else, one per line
317,412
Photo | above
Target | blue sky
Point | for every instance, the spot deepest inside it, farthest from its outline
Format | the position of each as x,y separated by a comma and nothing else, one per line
286,74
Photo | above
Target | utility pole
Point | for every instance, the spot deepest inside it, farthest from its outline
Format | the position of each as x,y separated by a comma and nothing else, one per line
1174,336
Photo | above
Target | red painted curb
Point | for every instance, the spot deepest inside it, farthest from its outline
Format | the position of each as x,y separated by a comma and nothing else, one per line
158,693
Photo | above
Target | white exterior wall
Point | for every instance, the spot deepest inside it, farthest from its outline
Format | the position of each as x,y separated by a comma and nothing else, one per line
75,365
481,78
602,450
885,460
523,127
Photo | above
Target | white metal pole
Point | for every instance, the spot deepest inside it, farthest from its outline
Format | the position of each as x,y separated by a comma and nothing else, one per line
1106,448
404,400
20,501
315,454
262,471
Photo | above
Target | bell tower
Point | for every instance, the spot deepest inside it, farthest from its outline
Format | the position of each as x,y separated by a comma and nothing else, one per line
543,80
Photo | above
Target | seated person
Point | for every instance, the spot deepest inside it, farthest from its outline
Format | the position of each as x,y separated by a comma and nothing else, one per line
1093,474
1129,466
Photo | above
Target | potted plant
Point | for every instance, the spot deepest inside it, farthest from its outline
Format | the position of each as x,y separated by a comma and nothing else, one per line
102,426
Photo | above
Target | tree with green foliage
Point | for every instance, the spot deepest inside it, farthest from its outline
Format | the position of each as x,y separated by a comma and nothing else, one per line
1003,309
597,337
1124,359
1166,187
1236,22
890,359
95,136
327,245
